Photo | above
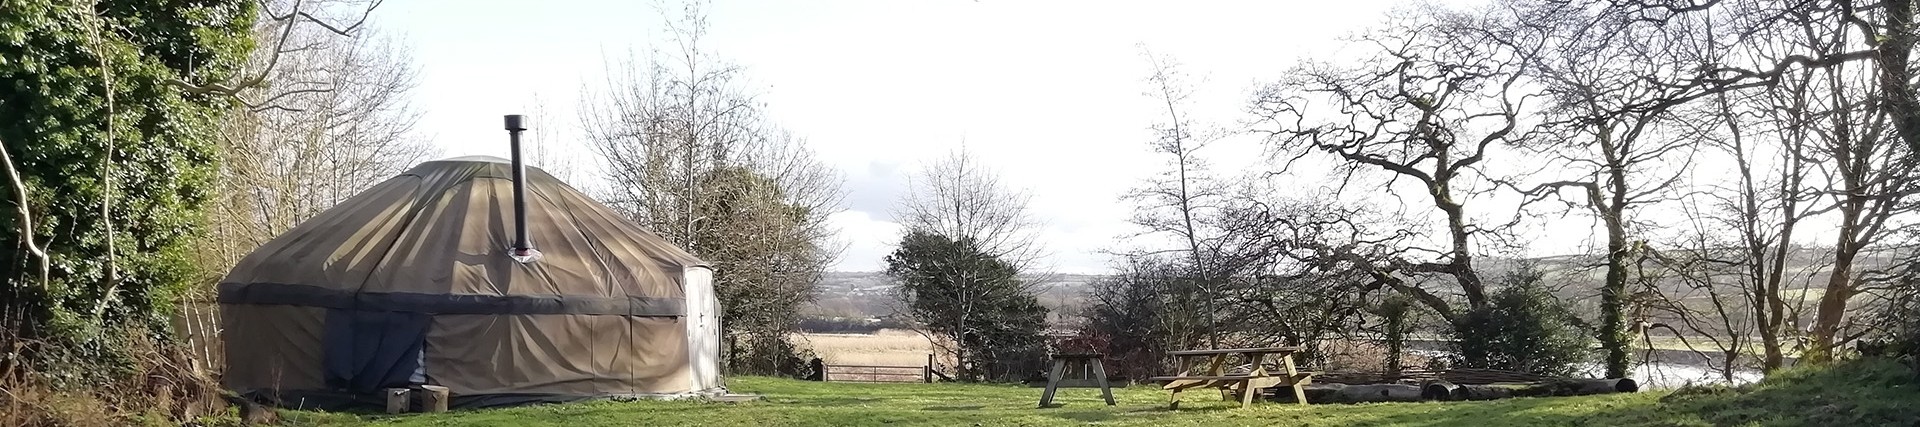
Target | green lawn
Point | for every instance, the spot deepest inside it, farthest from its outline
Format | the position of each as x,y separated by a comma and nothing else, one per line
1856,394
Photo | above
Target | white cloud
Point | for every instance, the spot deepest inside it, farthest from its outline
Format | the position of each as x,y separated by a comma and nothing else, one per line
1048,93
868,240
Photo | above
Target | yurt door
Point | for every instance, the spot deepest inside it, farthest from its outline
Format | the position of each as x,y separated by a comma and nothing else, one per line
703,329
365,351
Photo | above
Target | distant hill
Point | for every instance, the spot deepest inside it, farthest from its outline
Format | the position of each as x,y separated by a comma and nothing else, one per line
870,294
1575,278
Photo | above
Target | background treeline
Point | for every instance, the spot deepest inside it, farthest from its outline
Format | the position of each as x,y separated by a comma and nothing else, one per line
1736,175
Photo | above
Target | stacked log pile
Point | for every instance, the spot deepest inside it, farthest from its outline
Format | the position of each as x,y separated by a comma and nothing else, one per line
1455,385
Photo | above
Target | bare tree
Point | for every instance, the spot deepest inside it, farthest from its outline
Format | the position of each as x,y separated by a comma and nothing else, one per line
293,21
1868,180
1767,212
1175,203
1706,265
1607,140
561,155
331,120
1835,76
959,198
1303,270
1426,105
688,153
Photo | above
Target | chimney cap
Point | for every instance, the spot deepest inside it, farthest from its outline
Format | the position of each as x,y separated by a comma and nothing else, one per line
514,122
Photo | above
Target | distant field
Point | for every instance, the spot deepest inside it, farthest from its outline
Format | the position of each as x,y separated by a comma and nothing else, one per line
888,347
1751,346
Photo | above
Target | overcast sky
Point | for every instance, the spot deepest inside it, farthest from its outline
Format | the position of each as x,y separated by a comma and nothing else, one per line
1047,92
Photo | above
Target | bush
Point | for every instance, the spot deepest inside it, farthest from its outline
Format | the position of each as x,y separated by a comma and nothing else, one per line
1136,316
770,356
1896,329
1523,328
158,385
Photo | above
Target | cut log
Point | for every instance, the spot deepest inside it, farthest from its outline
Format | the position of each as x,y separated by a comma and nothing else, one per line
1549,388
1440,390
433,398
1486,391
1379,393
1343,393
1582,387
1437,389
1316,393
397,400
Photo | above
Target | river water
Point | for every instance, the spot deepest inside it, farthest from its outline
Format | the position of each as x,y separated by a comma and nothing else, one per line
1672,375
1660,374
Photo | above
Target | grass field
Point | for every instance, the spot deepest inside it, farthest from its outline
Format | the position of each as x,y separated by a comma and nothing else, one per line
1750,347
1855,394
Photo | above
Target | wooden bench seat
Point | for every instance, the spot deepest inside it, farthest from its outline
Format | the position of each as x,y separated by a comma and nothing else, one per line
1297,376
1262,350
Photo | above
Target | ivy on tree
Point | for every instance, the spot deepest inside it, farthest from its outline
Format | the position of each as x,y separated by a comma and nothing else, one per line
112,156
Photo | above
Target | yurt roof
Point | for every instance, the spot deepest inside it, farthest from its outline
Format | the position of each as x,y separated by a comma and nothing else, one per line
443,226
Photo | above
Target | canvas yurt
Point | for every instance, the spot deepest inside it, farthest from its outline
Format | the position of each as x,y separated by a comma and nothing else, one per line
498,282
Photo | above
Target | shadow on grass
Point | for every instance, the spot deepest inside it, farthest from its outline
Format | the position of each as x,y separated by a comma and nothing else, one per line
1084,416
1094,404
831,401
1851,393
1184,408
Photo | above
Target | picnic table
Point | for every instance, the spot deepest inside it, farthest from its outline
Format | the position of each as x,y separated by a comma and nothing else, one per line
1077,370
1248,384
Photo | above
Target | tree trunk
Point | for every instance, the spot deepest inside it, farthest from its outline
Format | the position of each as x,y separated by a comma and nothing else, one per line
1469,280
1833,303
1894,53
1613,334
1396,341
1612,210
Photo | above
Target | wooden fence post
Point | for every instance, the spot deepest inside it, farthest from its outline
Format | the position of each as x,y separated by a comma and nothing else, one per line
927,374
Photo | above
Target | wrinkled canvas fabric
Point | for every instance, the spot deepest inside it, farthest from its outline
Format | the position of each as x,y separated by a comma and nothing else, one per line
411,276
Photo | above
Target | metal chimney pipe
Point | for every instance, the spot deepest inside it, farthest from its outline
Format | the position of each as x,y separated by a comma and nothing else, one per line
522,249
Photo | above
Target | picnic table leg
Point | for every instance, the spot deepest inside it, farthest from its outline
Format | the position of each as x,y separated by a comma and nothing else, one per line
1293,378
1186,368
1247,390
1216,368
1100,373
1053,382
1246,393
